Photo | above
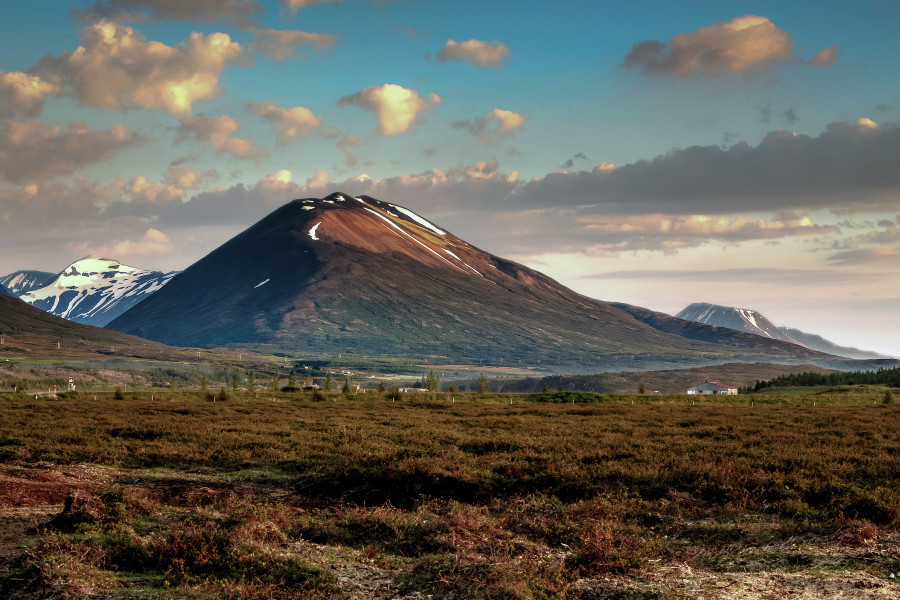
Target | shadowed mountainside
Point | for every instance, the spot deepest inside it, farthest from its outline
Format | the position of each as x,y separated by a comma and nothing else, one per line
27,330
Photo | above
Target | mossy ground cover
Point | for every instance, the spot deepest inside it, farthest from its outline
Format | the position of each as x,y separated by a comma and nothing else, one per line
280,496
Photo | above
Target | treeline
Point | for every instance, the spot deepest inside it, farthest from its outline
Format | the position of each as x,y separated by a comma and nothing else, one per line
889,377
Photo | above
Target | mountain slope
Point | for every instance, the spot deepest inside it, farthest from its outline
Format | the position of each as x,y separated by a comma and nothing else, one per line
817,342
5,292
26,330
345,274
94,291
750,321
25,281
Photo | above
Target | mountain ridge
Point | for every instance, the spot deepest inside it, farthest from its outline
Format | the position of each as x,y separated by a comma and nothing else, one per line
19,282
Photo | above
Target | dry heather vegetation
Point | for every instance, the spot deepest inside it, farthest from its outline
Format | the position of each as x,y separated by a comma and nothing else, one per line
472,497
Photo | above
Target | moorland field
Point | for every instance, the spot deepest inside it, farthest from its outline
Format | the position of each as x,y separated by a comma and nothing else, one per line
556,495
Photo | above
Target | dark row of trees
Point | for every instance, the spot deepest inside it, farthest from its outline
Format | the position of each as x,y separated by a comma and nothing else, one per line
888,377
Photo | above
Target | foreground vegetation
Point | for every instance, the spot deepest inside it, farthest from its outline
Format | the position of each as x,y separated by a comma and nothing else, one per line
544,496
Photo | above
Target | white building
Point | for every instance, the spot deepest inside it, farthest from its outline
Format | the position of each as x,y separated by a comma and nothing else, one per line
713,387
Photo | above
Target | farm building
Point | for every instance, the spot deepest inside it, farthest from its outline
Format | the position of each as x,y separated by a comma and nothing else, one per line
713,387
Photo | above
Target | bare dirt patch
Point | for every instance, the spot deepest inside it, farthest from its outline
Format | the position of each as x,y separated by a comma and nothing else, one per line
42,483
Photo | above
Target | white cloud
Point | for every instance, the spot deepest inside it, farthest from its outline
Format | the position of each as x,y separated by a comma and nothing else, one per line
742,45
479,53
153,242
670,233
347,142
283,44
826,57
237,206
294,5
116,67
506,123
288,123
867,256
178,182
319,180
282,179
24,94
33,151
851,166
396,108
239,12
217,131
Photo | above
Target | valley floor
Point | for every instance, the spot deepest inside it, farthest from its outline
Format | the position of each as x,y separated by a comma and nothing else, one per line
255,498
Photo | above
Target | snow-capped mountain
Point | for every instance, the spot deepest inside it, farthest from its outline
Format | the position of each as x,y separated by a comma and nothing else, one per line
744,319
96,290
25,281
360,275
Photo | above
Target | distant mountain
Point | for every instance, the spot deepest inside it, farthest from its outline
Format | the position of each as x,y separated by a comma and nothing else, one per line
741,319
346,274
5,292
25,281
750,321
28,331
95,291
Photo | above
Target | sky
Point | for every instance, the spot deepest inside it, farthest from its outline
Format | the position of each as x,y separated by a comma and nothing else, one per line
650,152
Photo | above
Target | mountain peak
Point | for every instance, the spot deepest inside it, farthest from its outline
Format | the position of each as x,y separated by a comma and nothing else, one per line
742,319
376,226
90,269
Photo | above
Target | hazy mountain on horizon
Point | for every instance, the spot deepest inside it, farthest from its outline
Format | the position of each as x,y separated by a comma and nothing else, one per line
751,321
356,274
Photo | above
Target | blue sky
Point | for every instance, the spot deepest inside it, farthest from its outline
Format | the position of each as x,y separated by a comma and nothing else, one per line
658,153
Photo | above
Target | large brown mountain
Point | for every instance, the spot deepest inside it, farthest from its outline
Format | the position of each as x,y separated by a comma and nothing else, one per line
345,274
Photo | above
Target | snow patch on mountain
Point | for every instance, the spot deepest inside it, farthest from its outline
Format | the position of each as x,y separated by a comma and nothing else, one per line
312,231
401,230
750,317
423,222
